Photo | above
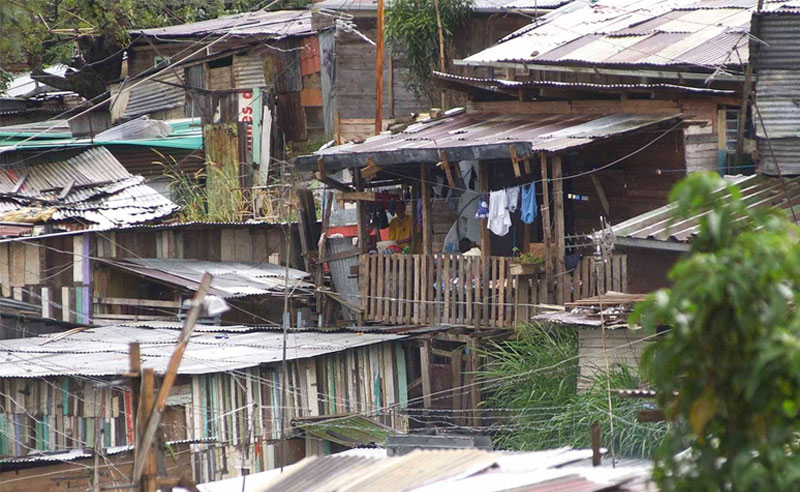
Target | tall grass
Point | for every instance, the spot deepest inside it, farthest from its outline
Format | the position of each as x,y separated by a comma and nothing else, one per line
210,194
542,409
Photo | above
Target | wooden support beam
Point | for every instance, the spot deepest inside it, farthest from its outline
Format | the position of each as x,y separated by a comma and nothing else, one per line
515,161
427,214
425,369
355,196
486,248
558,203
322,171
601,194
444,164
528,167
379,70
125,301
336,185
548,237
66,189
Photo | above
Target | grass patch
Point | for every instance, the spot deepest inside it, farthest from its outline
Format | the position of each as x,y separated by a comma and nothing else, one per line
541,408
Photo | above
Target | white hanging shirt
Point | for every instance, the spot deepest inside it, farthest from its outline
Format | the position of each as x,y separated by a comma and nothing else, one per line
499,217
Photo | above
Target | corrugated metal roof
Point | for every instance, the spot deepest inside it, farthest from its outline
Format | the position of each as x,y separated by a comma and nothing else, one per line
208,352
658,225
465,136
512,87
562,469
102,192
698,36
479,6
230,278
272,24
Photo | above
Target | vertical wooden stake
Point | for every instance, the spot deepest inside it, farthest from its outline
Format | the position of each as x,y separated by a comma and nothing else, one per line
441,44
548,237
379,70
474,390
147,482
558,203
596,437
425,368
486,246
427,231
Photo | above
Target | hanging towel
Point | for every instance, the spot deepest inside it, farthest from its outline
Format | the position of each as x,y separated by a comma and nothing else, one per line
528,208
483,207
512,198
499,218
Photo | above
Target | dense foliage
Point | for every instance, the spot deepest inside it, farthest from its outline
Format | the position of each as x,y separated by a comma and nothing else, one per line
90,34
542,409
412,33
728,370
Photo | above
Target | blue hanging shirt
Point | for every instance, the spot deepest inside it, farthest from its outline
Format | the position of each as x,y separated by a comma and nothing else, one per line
528,209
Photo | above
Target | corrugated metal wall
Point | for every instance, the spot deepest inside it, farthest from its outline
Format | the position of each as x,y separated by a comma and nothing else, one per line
775,50
248,71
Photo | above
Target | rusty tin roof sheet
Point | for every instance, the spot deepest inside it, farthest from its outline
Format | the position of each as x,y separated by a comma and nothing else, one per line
692,35
464,136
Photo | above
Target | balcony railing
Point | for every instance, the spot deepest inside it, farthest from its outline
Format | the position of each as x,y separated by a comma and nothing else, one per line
468,290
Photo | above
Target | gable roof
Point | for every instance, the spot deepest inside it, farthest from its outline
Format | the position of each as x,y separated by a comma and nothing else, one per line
696,36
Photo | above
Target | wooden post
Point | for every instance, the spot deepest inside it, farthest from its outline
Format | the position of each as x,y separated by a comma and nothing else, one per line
474,390
153,415
548,237
379,71
361,209
558,203
596,458
441,44
455,373
425,369
486,246
427,231
144,451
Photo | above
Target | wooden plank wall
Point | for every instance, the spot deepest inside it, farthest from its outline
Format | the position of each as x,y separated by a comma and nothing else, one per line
77,474
47,414
239,408
624,346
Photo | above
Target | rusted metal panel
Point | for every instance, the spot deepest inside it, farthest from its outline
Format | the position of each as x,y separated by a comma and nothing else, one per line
467,136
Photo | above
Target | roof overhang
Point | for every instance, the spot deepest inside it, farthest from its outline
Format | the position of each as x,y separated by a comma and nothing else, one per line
485,136
636,71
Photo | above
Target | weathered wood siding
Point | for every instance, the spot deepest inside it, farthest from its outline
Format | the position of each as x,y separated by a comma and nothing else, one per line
239,409
624,348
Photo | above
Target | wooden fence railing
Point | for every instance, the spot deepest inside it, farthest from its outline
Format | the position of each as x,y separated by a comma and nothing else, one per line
466,290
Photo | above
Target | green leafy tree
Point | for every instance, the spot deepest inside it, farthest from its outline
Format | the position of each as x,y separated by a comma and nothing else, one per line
89,35
728,370
412,33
